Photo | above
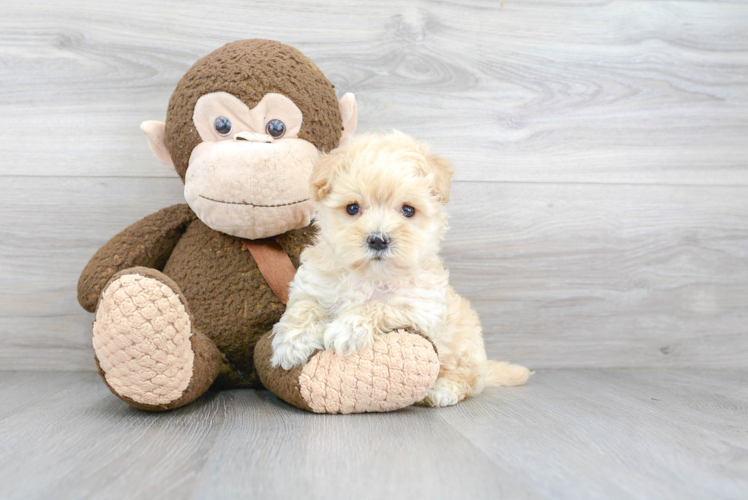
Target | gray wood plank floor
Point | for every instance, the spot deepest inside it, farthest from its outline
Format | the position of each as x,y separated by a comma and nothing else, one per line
568,434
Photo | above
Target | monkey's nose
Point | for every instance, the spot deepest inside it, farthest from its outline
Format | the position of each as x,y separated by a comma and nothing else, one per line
378,242
252,137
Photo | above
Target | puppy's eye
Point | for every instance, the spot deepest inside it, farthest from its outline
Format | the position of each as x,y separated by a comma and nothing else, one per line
353,209
408,211
275,129
223,125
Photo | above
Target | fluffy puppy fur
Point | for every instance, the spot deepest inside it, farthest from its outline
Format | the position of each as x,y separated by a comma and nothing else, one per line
375,267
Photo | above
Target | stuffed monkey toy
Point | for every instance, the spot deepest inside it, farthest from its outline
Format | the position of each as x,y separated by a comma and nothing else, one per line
184,299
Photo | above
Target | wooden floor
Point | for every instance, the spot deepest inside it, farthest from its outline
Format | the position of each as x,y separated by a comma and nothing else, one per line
568,434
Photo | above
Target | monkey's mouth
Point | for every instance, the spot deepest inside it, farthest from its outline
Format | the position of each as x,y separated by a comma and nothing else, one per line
257,205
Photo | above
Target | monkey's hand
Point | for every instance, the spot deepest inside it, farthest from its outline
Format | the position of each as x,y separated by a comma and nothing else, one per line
147,243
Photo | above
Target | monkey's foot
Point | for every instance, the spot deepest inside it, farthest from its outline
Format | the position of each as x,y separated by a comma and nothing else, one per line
396,371
144,342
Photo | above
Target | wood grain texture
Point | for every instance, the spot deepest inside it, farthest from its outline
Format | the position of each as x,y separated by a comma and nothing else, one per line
562,275
628,91
573,434
617,434
600,213
600,275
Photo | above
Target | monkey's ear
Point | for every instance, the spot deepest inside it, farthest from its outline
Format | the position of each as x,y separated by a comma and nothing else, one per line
155,132
442,169
325,170
349,114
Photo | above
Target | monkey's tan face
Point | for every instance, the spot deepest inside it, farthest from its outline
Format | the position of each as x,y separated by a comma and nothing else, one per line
250,175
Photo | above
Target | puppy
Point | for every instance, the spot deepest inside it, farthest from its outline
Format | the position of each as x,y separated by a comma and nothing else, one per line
375,267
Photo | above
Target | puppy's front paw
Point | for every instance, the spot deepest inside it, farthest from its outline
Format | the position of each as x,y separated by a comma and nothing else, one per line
349,334
289,352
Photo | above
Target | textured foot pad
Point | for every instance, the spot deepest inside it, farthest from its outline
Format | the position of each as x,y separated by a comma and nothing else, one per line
141,336
395,372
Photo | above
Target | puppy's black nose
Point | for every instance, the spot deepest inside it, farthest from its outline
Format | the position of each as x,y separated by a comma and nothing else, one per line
378,242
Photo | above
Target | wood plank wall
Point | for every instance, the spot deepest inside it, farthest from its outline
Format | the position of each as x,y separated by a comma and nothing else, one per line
600,209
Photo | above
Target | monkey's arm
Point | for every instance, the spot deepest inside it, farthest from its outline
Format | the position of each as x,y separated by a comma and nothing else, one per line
148,243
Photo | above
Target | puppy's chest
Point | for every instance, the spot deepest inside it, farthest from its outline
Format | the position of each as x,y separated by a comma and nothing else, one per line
358,291
355,292
382,294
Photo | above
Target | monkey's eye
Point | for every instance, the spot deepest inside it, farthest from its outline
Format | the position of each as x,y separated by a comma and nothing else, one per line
223,125
353,209
408,211
275,128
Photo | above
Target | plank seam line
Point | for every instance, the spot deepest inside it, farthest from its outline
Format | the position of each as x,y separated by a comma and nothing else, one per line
456,181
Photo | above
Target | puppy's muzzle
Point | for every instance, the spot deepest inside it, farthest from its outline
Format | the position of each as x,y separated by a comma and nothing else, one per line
378,242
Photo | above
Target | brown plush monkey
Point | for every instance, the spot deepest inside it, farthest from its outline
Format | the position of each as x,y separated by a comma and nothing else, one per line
183,296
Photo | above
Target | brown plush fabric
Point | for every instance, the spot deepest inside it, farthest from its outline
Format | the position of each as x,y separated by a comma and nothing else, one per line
209,361
249,69
231,302
282,383
148,243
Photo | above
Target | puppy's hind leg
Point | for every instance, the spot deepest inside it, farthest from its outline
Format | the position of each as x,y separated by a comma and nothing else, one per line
453,386
446,392
462,375
465,371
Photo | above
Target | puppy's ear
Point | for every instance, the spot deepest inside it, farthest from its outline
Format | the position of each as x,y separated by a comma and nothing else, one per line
442,169
325,170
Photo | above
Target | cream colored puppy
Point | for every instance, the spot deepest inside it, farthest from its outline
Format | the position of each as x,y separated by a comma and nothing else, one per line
375,267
